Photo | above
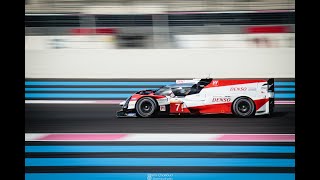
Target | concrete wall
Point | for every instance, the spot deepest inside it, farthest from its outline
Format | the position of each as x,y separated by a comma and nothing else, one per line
161,63
69,42
266,40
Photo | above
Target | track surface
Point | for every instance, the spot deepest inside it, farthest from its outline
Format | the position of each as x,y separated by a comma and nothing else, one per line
100,118
251,151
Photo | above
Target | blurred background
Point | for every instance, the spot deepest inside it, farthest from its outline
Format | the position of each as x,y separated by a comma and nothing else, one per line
84,57
159,24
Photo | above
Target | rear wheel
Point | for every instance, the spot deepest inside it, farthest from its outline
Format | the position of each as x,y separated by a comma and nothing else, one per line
146,107
243,107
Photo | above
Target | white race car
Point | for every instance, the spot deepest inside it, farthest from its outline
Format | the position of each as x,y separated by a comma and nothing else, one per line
241,97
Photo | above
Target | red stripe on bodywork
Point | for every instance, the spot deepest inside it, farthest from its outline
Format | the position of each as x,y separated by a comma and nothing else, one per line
219,83
224,108
138,96
260,102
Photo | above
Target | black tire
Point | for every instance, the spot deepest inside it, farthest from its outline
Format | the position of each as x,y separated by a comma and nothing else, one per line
243,107
146,107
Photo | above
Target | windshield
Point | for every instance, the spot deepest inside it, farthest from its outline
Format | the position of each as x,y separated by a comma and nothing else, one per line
177,90
164,91
181,91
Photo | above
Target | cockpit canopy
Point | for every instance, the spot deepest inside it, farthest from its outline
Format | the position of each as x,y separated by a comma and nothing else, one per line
177,89
183,89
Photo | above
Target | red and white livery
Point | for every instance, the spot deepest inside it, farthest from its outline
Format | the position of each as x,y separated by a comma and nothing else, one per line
241,97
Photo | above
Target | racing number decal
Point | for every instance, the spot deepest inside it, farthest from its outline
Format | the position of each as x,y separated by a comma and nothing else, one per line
178,108
179,105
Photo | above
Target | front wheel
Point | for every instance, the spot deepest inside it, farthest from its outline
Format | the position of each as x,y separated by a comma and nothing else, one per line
243,107
146,107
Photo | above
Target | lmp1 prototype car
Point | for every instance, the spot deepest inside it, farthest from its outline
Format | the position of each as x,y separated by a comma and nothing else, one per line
242,98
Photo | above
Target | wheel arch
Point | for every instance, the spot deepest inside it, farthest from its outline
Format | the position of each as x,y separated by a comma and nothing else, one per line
243,96
155,100
149,97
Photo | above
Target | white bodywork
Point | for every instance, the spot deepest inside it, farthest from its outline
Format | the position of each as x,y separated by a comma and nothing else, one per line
218,95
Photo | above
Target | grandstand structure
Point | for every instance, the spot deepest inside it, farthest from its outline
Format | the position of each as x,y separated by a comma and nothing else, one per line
159,24
153,6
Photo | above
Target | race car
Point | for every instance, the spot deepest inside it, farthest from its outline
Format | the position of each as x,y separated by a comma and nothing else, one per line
240,97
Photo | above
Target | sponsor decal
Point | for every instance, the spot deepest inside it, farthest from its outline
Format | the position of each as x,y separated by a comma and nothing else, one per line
162,100
221,99
238,89
215,83
162,108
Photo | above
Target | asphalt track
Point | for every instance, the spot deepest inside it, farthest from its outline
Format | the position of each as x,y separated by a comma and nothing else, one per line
100,118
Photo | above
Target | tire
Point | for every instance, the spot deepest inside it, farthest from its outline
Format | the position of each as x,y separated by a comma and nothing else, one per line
146,107
243,107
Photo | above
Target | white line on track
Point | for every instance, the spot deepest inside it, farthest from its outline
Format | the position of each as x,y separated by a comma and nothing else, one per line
33,136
